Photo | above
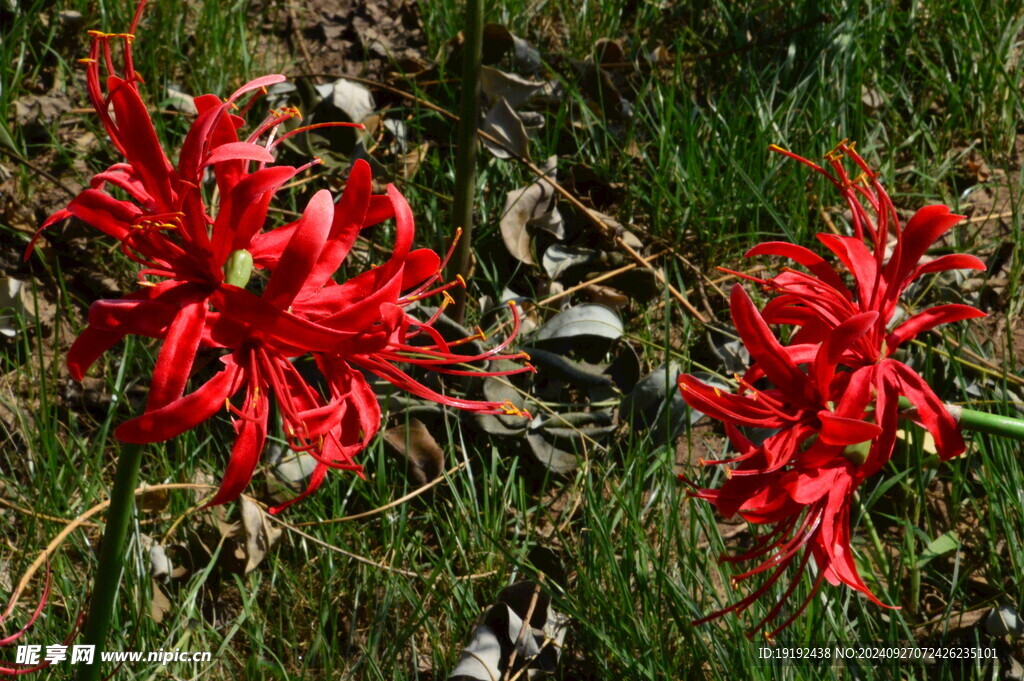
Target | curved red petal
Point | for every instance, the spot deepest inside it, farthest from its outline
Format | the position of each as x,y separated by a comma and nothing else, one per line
182,414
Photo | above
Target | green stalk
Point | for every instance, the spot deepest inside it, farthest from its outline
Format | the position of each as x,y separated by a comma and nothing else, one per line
108,574
465,160
980,421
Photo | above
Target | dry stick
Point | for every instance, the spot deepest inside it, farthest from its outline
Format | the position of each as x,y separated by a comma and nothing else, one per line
52,518
37,170
541,175
991,216
523,629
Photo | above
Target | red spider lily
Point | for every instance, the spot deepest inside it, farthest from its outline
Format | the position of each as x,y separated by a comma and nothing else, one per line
361,323
835,418
816,302
188,300
165,224
802,477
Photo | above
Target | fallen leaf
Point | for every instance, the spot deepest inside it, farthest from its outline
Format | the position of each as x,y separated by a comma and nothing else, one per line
418,448
159,605
151,500
352,98
609,53
503,124
260,534
498,41
160,565
588,319
606,295
410,162
522,208
521,626
515,90
558,259
1004,621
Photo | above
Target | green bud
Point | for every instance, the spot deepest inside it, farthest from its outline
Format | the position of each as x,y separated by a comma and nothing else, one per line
858,453
238,268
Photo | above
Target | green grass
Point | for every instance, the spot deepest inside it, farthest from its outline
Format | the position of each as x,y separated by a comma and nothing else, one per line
696,175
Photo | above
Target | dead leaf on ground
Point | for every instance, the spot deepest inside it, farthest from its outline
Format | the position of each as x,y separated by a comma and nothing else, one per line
606,295
410,162
504,124
522,633
418,447
525,207
160,605
151,500
260,535
353,99
498,41
515,90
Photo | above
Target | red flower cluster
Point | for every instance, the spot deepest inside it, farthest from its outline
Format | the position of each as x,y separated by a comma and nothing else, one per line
833,398
195,294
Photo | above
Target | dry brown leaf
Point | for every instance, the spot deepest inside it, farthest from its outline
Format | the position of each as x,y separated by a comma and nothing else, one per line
260,534
160,605
504,124
419,448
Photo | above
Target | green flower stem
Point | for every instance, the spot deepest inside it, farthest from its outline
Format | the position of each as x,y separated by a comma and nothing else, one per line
980,421
108,574
465,160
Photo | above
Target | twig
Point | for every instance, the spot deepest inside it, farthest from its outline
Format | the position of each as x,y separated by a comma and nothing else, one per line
38,171
397,502
523,629
52,518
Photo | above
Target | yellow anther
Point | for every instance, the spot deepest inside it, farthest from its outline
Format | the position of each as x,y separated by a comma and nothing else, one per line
87,60
777,148
512,410
139,78
100,34
524,356
838,151
143,282
227,403
448,298
483,336
462,282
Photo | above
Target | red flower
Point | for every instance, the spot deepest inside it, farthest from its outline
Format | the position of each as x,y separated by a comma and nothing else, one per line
196,267
802,477
835,419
